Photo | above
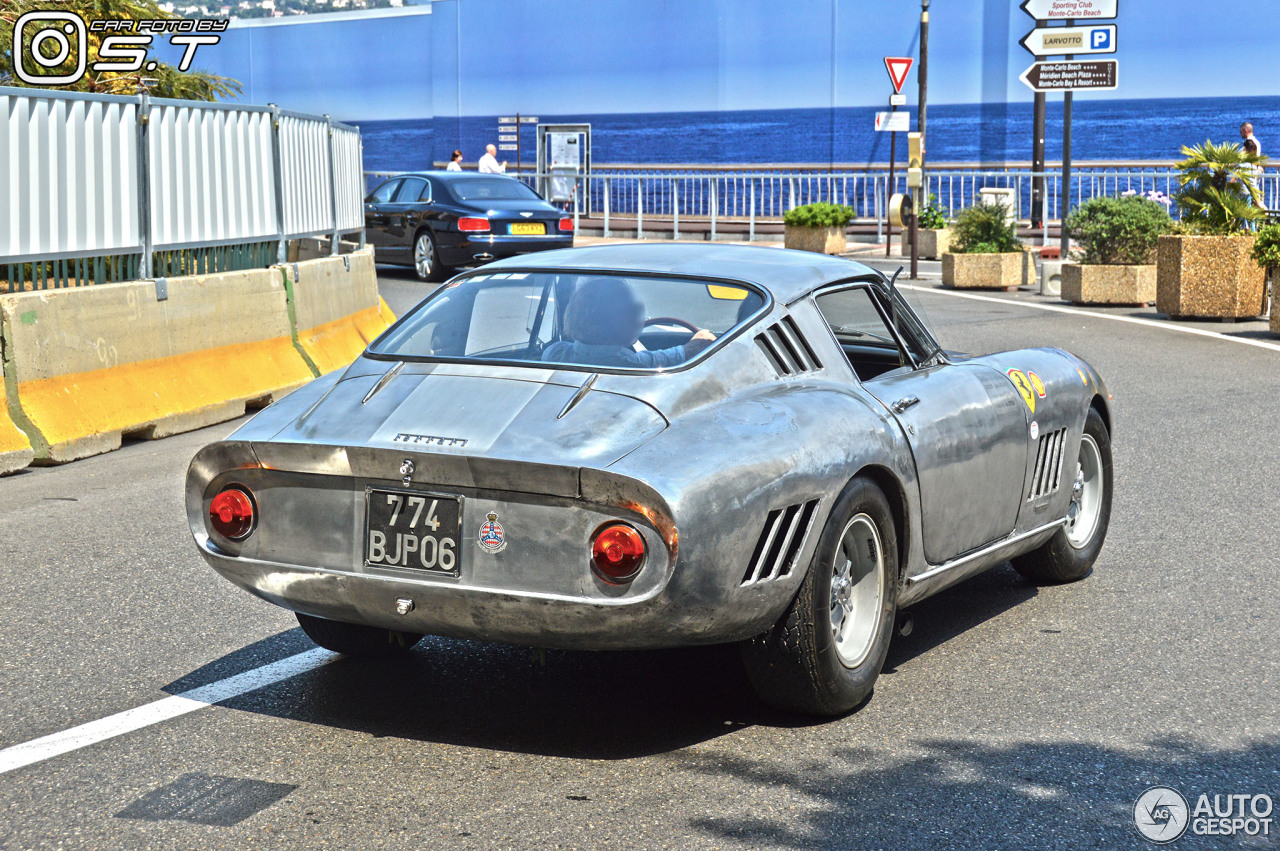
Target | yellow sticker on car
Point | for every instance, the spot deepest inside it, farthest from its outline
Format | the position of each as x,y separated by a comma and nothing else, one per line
1036,383
726,293
1020,380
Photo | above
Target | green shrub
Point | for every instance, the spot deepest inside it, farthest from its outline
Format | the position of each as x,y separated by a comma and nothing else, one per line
932,216
1118,231
1266,247
819,215
1219,188
984,229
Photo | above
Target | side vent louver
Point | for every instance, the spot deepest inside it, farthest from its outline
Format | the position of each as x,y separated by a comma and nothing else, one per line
1047,473
782,539
787,349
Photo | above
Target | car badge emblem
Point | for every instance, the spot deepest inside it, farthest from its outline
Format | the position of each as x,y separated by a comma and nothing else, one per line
406,471
491,538
526,215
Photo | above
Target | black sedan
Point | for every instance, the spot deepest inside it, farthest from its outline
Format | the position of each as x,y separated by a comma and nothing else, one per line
436,221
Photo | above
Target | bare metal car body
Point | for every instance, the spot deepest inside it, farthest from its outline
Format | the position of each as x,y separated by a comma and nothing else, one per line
728,467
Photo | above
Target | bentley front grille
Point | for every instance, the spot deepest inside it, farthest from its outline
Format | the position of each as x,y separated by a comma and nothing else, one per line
783,537
787,349
1047,473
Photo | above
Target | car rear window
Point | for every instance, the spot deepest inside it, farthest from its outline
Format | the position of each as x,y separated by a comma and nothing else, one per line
578,320
492,189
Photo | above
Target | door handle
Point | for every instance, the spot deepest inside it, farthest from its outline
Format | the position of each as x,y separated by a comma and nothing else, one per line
904,403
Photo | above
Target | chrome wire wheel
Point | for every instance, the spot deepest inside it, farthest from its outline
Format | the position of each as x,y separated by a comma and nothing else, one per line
857,590
1086,495
424,256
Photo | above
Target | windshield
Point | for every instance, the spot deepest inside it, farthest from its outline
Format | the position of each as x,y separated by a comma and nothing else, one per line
583,320
492,189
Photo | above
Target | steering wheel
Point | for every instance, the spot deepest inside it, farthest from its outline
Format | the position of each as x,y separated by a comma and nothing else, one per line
671,320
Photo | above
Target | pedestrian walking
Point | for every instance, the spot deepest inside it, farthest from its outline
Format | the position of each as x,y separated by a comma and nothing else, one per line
489,162
1246,133
455,162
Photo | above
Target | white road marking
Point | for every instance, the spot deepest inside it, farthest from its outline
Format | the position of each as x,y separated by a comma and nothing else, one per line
54,744
1167,325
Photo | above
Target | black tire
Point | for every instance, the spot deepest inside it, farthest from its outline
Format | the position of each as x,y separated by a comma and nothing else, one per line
432,270
1060,560
796,665
355,639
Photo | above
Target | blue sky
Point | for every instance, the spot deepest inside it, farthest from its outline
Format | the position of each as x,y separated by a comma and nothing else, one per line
621,56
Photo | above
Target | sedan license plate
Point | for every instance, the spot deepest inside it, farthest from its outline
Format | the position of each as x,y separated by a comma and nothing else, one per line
412,530
527,229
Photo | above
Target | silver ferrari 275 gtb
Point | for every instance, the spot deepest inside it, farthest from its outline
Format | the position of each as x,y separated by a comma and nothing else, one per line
645,446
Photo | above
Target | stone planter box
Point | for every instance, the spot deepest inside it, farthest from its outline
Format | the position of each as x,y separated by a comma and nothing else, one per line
1098,284
1274,279
982,271
818,240
1208,276
933,243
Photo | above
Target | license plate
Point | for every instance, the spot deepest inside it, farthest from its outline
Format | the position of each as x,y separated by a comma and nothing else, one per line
412,530
526,229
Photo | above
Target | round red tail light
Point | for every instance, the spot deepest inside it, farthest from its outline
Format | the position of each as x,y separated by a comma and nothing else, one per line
472,223
617,553
566,225
232,513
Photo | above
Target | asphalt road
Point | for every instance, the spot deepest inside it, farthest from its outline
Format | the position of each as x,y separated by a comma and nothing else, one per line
1012,716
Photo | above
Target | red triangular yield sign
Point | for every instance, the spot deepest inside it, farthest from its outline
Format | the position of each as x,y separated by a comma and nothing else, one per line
898,67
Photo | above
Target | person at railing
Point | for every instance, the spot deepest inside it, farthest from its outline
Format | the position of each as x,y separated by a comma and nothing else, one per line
1246,133
489,162
455,162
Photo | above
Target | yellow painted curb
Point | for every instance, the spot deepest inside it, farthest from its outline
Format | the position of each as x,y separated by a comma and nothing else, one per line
15,449
86,413
336,344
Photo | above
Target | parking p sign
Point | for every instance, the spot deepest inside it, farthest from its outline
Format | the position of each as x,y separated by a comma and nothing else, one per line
1077,41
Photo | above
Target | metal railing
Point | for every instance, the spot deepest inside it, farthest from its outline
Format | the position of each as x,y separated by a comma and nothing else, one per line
103,188
644,198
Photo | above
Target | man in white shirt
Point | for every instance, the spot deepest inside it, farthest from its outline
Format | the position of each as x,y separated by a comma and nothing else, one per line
489,162
1246,133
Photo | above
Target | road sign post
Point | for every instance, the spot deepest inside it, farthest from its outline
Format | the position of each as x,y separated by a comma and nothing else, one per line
898,67
1070,75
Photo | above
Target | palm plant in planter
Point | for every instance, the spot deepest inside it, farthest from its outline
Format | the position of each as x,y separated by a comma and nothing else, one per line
817,227
931,230
1266,253
1205,268
1117,247
985,250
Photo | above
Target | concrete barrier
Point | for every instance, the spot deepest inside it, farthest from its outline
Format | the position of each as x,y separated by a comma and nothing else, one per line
15,448
86,366
336,307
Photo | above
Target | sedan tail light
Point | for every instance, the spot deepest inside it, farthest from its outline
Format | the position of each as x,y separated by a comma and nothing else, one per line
232,513
617,553
566,225
472,223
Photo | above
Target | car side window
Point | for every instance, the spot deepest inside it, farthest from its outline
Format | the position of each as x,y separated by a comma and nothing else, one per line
862,332
411,190
383,193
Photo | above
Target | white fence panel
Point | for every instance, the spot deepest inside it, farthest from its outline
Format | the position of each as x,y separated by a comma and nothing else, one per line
348,178
211,175
68,176
304,163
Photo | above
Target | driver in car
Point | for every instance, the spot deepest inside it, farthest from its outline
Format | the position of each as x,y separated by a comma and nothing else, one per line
602,323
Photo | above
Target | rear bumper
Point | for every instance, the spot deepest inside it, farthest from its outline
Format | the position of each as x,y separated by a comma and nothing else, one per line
471,249
486,614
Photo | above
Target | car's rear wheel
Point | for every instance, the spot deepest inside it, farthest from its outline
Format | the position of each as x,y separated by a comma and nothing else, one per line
356,639
426,258
824,655
1069,555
